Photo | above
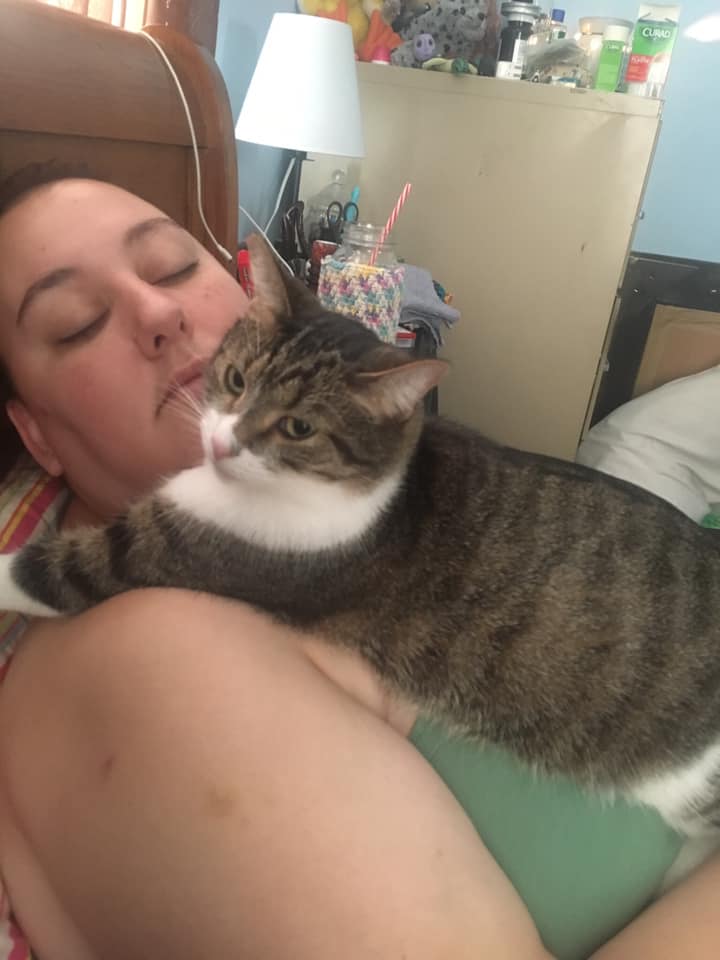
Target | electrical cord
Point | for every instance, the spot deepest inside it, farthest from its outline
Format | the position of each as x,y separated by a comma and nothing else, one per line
198,175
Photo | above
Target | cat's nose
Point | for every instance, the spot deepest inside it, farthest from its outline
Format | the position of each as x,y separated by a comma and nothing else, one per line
222,447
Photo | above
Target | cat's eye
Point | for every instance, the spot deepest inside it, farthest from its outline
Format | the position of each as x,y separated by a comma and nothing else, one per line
234,380
295,429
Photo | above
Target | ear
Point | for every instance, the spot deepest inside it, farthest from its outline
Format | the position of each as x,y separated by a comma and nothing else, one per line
266,277
395,393
33,437
304,305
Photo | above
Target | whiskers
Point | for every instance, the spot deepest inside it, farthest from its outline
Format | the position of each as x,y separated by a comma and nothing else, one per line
187,407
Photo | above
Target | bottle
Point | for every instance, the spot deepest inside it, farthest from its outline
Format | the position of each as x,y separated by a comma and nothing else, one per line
592,32
558,27
512,56
542,33
652,45
612,57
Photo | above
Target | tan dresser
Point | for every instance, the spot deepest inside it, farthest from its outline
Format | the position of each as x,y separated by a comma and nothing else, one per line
524,202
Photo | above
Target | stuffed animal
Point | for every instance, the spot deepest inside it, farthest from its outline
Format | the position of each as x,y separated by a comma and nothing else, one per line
456,26
348,11
369,21
389,9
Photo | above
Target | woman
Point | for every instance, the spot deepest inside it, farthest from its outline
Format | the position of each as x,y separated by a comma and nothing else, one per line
179,777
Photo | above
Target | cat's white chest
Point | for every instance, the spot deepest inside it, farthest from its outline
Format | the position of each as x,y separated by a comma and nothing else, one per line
278,511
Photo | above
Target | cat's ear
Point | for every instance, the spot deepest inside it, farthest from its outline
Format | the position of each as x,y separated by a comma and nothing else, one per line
394,394
304,305
268,285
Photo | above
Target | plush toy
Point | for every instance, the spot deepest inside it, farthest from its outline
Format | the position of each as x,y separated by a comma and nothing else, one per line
347,11
368,20
456,26
389,9
424,47
456,65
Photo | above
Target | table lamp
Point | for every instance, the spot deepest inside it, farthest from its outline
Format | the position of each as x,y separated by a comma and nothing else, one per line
303,95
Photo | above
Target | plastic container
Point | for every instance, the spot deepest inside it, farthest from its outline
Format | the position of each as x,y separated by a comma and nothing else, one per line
512,56
592,32
558,27
351,285
542,31
612,57
652,46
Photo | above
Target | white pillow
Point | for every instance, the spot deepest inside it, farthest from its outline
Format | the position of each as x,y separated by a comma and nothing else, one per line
667,441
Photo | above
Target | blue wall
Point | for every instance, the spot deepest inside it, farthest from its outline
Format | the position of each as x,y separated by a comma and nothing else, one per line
242,25
682,203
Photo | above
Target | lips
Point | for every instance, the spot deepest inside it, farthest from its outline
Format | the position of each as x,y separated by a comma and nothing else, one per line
188,378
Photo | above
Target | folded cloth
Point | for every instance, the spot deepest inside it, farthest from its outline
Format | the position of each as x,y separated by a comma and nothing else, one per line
421,306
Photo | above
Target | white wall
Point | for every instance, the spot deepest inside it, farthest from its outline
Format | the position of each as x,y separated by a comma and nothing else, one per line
242,25
682,203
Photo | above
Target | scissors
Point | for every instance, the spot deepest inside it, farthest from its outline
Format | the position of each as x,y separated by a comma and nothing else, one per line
336,215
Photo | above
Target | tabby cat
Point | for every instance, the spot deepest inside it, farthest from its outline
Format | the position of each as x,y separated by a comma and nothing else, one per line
554,611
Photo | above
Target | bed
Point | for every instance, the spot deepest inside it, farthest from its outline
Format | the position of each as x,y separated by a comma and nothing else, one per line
74,89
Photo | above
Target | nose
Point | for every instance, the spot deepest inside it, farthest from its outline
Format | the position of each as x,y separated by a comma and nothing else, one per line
160,321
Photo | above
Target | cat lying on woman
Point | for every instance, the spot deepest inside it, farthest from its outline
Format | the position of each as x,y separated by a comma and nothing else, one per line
554,611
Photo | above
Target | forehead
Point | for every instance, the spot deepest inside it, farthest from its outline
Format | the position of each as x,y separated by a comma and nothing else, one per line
63,223
75,223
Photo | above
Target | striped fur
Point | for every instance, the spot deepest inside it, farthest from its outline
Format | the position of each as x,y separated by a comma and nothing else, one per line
557,612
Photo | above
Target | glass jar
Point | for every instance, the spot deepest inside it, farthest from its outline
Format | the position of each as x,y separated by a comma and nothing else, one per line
354,286
358,242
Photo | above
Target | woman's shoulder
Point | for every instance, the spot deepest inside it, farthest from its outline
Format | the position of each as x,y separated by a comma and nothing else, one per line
348,670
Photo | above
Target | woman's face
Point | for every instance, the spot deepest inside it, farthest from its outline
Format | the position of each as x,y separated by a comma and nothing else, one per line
106,306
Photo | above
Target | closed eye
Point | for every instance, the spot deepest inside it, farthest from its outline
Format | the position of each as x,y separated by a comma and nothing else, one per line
178,275
86,332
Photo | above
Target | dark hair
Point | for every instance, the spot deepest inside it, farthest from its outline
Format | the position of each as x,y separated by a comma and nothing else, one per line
13,190
17,185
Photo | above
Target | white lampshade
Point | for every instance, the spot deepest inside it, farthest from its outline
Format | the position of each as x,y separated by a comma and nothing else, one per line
304,93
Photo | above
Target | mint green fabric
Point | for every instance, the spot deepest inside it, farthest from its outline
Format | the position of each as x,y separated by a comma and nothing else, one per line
583,866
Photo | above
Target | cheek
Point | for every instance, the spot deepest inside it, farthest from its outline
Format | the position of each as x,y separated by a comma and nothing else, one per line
92,385
218,304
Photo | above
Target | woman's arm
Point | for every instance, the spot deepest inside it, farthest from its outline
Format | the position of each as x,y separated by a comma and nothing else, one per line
179,779
683,925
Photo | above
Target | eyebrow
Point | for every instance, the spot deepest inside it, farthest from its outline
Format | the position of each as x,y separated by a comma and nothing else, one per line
56,278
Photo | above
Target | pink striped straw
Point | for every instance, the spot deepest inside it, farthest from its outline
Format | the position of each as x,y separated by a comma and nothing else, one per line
391,222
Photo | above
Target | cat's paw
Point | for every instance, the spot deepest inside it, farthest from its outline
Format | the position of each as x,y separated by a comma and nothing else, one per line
13,598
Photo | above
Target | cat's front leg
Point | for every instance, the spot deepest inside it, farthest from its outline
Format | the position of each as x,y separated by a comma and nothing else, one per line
13,597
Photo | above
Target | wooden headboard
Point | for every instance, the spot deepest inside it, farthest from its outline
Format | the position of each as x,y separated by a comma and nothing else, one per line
77,90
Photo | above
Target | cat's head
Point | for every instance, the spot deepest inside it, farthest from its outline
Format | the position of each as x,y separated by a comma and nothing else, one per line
295,389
